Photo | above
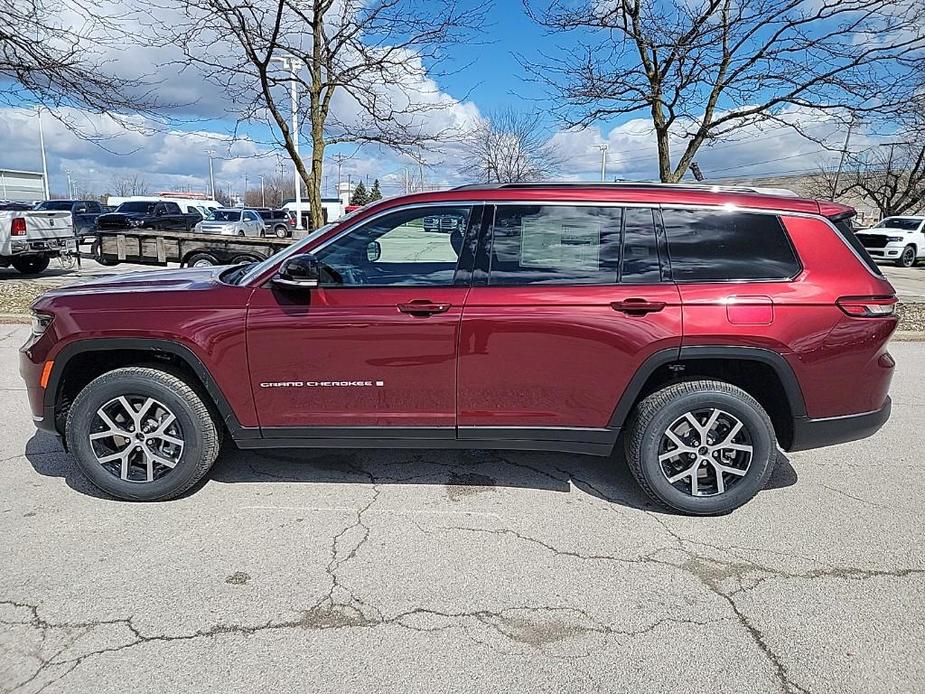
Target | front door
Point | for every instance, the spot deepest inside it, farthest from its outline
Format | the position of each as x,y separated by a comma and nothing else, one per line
567,302
375,345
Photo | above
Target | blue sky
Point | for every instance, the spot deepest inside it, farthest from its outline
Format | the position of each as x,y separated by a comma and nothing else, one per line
488,77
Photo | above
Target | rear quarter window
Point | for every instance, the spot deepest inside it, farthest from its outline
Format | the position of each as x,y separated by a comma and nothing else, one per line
846,231
720,245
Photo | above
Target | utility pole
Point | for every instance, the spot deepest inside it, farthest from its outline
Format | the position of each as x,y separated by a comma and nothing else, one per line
244,197
292,64
841,159
603,149
44,162
70,194
339,158
263,194
211,154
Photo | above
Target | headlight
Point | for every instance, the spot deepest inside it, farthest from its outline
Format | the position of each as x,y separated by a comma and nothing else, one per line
890,239
40,323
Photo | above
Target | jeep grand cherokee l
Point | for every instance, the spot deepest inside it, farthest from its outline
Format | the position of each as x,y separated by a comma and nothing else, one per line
708,327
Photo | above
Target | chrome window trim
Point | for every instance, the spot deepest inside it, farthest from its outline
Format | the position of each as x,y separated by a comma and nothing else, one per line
608,203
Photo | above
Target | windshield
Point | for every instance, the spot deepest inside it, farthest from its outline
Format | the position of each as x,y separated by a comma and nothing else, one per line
225,216
139,206
904,223
55,205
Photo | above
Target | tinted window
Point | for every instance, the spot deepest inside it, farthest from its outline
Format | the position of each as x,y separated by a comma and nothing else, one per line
640,248
707,245
93,206
171,208
225,216
903,223
845,230
136,206
396,250
555,244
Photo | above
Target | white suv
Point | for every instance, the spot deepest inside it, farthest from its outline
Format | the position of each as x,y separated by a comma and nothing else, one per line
900,239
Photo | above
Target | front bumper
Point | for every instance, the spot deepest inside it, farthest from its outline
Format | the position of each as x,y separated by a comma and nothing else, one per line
817,433
891,251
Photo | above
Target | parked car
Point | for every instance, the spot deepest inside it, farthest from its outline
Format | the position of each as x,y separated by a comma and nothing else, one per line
84,213
148,214
279,223
444,223
900,239
232,221
29,239
708,326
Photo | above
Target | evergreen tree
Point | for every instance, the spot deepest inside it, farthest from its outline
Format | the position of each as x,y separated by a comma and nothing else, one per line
374,192
360,196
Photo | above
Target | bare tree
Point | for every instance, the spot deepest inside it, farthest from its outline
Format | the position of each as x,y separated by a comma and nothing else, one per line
508,146
701,70
370,55
125,186
52,52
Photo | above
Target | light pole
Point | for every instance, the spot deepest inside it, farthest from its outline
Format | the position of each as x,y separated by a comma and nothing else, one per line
292,64
44,162
603,149
211,154
263,194
70,194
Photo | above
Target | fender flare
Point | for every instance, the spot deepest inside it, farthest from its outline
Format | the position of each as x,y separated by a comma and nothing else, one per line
685,354
153,345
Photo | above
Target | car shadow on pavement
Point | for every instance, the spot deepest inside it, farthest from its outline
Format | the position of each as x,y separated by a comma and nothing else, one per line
461,473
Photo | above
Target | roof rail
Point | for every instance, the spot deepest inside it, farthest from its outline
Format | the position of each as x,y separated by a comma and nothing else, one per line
713,187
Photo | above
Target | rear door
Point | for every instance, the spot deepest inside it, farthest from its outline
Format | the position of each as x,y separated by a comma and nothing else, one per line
567,302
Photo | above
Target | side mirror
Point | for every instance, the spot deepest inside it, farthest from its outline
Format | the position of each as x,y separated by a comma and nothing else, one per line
373,251
299,272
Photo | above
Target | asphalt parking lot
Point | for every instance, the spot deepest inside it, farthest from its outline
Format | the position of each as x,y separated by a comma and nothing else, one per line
427,571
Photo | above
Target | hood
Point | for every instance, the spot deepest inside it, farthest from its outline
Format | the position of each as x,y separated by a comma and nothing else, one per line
145,280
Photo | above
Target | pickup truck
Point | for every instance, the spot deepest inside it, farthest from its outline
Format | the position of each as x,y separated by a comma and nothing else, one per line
148,214
83,213
30,238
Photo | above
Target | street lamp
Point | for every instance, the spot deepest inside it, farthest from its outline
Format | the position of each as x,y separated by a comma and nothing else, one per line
44,163
293,66
603,149
263,194
70,193
211,154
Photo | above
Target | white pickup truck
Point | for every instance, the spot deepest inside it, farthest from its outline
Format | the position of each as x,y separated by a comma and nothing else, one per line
30,238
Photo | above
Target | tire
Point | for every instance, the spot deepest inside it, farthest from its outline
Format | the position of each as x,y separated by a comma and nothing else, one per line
281,231
97,256
647,442
907,258
201,260
192,425
244,259
31,264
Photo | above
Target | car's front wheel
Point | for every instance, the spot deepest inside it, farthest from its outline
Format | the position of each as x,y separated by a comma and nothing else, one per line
142,434
701,447
908,257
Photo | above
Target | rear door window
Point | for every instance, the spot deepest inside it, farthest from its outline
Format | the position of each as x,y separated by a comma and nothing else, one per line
720,245
555,244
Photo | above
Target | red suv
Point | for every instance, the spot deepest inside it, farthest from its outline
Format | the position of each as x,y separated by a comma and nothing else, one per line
707,326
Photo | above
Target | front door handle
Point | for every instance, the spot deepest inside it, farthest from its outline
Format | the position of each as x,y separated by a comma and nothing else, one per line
637,306
423,307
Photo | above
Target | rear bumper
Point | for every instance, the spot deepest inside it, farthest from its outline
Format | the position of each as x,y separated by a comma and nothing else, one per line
816,433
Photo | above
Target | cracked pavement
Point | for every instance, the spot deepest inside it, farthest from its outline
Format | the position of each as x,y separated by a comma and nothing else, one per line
462,571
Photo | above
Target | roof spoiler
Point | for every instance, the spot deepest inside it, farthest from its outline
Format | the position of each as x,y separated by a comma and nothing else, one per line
835,210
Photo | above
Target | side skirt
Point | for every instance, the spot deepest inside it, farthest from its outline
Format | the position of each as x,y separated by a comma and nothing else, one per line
598,442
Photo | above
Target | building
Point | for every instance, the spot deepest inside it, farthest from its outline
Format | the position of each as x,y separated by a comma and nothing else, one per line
21,186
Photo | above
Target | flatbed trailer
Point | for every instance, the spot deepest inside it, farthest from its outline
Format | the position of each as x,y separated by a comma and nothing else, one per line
190,249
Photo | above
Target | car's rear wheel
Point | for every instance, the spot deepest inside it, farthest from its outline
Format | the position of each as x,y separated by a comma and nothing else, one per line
281,231
907,258
31,265
142,434
701,447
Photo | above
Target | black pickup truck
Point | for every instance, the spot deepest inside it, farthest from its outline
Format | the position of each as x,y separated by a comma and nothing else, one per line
148,214
83,213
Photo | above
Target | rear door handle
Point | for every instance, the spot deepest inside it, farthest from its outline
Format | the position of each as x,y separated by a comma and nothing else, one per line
637,306
423,307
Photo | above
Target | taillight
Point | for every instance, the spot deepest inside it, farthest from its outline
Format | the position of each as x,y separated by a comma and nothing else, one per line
18,227
867,306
